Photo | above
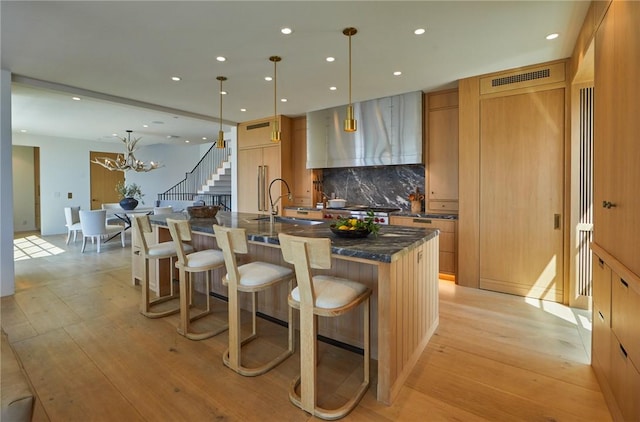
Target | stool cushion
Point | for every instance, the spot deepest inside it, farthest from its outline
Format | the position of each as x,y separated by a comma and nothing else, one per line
207,257
258,273
167,248
332,292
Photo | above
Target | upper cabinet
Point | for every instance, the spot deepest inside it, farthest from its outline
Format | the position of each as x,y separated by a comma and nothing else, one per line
616,125
442,146
389,132
260,162
302,177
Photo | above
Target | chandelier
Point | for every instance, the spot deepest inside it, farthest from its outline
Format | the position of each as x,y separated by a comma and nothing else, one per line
126,162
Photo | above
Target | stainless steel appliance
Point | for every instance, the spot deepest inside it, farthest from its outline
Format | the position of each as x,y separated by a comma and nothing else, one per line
380,214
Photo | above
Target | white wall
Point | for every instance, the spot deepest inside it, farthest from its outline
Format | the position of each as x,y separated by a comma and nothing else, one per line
7,270
24,215
64,168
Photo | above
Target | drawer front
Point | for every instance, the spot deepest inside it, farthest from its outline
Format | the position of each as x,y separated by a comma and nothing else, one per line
624,381
315,215
302,201
443,225
625,314
601,287
601,343
443,205
447,262
447,242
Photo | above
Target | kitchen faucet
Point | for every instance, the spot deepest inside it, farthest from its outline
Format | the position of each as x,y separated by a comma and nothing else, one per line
274,209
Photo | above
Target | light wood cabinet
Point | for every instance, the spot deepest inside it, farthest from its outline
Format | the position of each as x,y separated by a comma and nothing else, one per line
448,242
442,147
310,214
616,148
302,176
260,161
615,346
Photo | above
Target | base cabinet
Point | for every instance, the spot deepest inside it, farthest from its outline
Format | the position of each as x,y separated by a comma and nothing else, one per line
615,346
309,214
448,240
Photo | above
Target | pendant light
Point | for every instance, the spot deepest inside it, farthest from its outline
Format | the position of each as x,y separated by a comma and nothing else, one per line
275,134
220,143
350,124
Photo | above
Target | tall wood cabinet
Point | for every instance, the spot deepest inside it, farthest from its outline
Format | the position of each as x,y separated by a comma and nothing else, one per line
616,279
260,161
302,176
442,150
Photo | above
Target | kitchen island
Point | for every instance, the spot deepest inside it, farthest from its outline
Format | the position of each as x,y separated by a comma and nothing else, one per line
400,265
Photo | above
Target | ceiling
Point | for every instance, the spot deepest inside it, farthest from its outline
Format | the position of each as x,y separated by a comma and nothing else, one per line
119,57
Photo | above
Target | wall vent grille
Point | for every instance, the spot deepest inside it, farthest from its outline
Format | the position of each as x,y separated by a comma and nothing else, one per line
258,125
522,77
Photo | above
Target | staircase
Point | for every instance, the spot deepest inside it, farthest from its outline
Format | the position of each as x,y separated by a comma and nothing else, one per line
208,182
220,181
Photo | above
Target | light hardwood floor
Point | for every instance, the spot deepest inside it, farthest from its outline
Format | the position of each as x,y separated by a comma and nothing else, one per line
91,355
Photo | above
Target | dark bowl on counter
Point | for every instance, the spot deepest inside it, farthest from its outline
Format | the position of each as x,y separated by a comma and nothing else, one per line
350,234
203,211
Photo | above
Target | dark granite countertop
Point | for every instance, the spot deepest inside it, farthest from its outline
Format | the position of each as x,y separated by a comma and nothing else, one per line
391,242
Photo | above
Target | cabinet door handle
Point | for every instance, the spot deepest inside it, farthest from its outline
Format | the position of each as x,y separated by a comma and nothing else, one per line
600,315
624,283
302,212
420,220
624,352
600,263
556,221
259,188
608,204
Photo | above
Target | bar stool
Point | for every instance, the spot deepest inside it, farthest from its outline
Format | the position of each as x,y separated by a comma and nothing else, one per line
203,261
326,296
250,278
158,251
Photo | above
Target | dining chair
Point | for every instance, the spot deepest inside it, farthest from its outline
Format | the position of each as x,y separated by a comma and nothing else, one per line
94,225
163,210
326,296
251,277
114,219
72,217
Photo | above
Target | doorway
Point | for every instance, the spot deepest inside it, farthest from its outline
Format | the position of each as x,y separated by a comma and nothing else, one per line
103,181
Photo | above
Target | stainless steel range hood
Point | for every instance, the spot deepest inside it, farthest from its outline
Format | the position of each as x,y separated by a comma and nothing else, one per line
389,132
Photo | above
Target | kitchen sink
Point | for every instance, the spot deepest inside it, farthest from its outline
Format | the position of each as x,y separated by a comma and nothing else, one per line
290,220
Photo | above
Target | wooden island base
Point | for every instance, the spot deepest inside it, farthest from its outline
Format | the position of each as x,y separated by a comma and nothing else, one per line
404,304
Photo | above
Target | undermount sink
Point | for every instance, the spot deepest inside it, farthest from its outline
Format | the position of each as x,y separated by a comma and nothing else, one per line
289,220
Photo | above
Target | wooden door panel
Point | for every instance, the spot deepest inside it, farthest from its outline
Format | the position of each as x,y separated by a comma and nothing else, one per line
103,181
521,168
248,162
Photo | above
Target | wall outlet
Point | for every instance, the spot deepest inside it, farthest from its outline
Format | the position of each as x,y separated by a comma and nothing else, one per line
69,195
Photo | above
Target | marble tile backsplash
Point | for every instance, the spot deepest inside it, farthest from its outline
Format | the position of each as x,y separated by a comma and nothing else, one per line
385,186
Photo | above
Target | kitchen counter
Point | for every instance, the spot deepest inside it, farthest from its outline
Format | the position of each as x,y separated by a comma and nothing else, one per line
388,246
400,266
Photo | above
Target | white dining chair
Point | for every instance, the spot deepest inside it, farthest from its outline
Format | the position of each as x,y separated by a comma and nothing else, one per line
94,225
112,219
72,217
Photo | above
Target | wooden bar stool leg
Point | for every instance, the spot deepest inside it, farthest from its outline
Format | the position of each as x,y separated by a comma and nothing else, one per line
185,302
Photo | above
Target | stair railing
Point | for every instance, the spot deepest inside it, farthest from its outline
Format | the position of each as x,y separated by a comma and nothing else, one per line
187,189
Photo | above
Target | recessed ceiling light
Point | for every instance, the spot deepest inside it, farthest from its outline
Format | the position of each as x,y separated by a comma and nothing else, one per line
23,130
243,109
221,59
286,31
268,78
176,78
332,88
186,141
114,134
419,31
75,98
552,36
397,73
283,100
223,92
145,125
331,59
204,138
